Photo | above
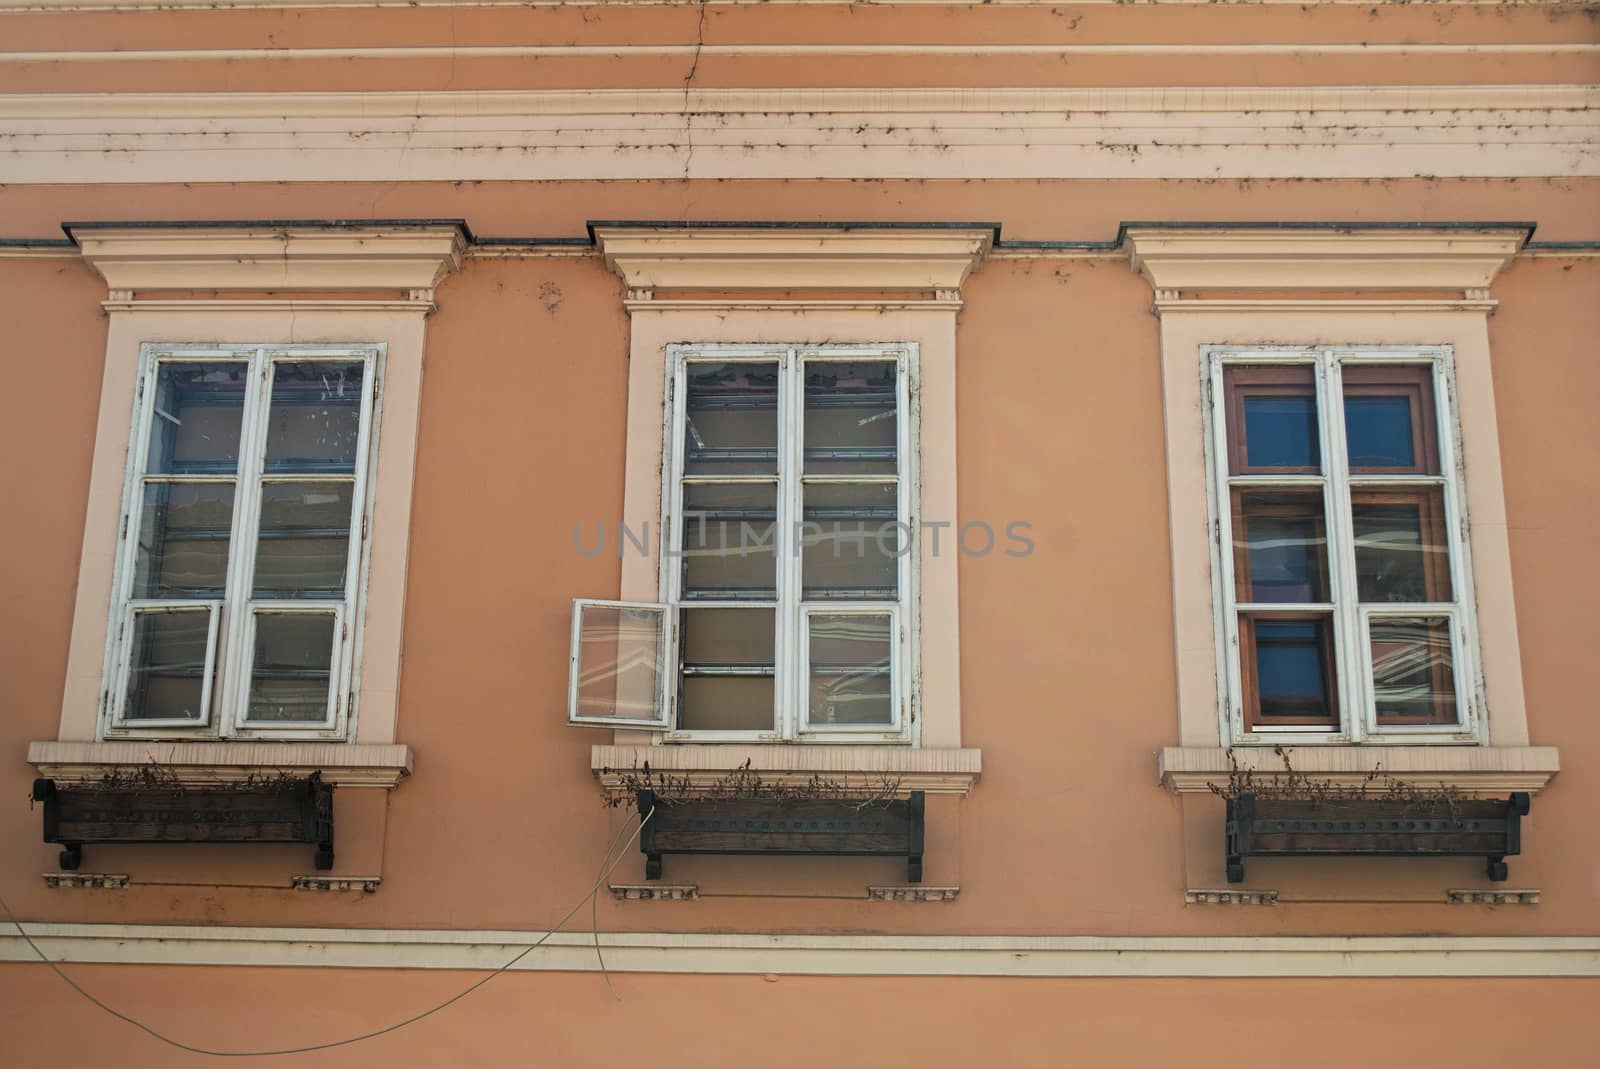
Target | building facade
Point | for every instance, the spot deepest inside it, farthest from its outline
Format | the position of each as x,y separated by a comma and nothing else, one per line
536,487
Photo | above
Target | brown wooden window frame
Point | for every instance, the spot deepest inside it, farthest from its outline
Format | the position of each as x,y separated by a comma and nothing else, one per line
1431,484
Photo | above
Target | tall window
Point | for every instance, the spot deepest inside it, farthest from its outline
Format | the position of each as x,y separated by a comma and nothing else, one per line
241,538
1343,584
788,556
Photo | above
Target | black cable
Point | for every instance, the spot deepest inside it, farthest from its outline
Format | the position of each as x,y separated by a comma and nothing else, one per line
119,1015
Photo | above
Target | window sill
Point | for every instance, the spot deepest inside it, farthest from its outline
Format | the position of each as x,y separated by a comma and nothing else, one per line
1488,769
933,771
341,764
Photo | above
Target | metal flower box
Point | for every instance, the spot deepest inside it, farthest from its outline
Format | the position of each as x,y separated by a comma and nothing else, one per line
1375,827
825,827
289,810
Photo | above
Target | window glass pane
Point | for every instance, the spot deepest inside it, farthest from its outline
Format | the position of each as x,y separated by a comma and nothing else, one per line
1378,432
731,419
851,422
1293,669
304,544
291,673
850,657
315,421
1280,547
183,540
728,669
195,418
620,660
1412,675
1400,546
850,542
1280,431
167,665
729,541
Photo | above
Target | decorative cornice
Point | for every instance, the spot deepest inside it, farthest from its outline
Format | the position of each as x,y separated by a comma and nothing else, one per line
844,257
1475,769
279,5
654,892
292,258
94,880
813,955
199,763
1457,262
1496,897
1141,132
931,770
1196,896
913,893
364,884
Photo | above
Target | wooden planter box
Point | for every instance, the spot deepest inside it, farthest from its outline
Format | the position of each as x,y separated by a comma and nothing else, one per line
296,811
1376,827
782,826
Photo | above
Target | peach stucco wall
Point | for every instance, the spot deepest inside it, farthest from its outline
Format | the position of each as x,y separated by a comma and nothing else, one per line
558,1019
1066,664
1066,660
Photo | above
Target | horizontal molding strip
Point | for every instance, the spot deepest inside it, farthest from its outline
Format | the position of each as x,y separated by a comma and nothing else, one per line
232,5
698,51
1151,133
1509,99
815,955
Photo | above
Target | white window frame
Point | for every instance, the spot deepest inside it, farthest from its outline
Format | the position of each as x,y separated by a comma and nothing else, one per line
1351,621
229,655
791,653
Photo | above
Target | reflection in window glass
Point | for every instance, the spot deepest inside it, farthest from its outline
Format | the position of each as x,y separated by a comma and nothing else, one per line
196,415
1400,547
851,680
315,421
304,548
290,675
731,419
729,658
1378,432
1292,668
1281,432
730,539
850,422
620,663
167,665
183,535
1281,548
1413,670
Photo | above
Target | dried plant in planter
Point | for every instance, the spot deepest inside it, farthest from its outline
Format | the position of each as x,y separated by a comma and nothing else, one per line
1290,814
740,783
1290,784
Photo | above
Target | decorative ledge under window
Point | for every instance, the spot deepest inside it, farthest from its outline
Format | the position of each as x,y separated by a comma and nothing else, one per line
197,763
1472,769
928,770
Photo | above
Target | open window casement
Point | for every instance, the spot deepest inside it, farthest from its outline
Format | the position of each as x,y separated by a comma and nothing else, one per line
618,675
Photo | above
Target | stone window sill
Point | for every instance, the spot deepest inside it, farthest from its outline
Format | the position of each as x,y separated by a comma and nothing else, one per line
935,771
193,763
1483,769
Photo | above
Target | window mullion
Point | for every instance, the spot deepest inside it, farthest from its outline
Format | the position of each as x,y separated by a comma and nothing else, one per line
234,671
1348,644
790,624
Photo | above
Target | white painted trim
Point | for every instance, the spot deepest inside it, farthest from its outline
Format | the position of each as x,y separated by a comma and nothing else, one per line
297,5
1415,101
815,955
1477,769
1141,132
936,771
196,763
690,50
